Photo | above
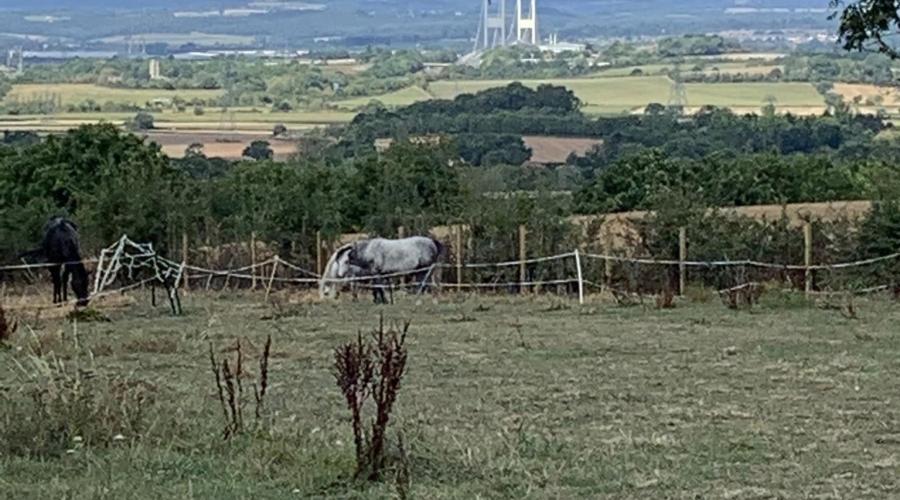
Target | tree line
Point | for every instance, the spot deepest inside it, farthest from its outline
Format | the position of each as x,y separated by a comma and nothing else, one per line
114,182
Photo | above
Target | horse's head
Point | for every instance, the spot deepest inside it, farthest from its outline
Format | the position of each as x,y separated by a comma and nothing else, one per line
338,267
80,282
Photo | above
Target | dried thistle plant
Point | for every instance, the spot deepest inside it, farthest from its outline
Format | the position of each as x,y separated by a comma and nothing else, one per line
371,368
229,379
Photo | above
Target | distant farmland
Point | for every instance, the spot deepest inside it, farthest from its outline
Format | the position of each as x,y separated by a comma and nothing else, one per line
607,92
400,97
607,95
228,145
213,119
202,39
623,94
75,93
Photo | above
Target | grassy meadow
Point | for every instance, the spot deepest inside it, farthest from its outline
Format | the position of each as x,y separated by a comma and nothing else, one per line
402,97
505,397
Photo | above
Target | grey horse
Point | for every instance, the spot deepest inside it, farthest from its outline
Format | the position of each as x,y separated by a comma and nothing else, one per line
378,257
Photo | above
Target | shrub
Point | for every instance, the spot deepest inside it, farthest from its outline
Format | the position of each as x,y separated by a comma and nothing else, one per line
230,379
258,150
142,121
373,369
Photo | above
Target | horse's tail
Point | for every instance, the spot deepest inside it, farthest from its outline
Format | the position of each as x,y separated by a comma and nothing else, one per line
439,247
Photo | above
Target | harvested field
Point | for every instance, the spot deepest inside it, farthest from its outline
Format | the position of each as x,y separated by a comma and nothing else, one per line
218,144
544,149
504,398
889,96
557,149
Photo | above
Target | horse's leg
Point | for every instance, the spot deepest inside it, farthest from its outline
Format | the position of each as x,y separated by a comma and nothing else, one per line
54,276
374,284
382,285
377,292
420,282
423,278
65,283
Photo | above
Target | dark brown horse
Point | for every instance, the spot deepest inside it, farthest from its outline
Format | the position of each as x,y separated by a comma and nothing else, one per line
60,248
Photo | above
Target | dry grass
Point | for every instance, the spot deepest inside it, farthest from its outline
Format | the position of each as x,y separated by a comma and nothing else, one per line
528,401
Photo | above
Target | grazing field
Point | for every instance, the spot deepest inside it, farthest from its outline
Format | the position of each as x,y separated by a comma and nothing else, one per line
753,94
74,93
504,398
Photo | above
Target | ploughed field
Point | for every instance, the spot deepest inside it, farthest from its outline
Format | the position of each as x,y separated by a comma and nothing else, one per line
505,397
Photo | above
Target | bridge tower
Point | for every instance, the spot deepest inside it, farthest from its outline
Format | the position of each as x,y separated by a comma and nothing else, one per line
493,25
527,23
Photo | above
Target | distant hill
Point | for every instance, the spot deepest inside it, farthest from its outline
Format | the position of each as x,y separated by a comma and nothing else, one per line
562,7
444,23
114,4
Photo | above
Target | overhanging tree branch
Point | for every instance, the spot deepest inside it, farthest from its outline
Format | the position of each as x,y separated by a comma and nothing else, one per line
865,25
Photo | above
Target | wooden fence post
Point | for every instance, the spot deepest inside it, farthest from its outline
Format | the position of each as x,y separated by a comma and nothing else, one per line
523,254
275,262
184,258
319,264
807,255
253,260
459,256
580,277
682,257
